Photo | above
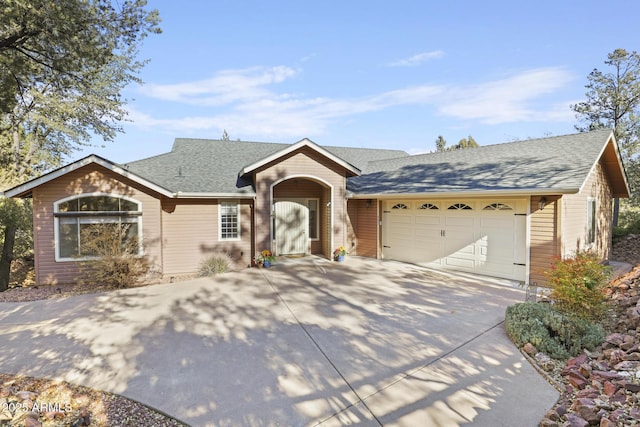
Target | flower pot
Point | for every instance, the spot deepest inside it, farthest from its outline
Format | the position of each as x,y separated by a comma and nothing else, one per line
340,258
266,264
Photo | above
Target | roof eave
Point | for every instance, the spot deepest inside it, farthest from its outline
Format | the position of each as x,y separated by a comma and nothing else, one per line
467,193
204,195
25,189
625,191
293,147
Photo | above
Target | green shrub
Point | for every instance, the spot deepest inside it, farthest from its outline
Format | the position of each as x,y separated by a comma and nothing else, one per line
577,285
618,233
628,223
550,331
114,260
630,218
215,264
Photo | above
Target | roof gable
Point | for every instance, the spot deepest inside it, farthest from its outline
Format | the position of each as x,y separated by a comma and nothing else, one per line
25,189
354,171
611,160
213,168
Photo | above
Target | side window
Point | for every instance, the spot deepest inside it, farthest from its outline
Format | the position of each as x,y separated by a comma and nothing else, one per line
312,204
229,220
592,223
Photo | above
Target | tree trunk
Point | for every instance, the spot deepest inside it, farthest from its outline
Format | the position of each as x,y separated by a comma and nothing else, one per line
7,256
616,211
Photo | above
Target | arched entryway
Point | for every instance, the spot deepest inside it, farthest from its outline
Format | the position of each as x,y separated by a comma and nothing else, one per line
301,216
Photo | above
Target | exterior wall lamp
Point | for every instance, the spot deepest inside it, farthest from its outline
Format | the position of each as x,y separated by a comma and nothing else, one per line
542,203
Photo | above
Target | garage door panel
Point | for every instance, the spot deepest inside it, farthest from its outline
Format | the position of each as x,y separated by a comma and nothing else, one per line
456,221
460,250
502,245
430,220
496,223
401,219
459,263
428,255
426,237
487,241
402,230
498,270
461,241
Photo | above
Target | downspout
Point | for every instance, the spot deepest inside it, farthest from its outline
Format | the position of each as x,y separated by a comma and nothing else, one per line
527,240
253,231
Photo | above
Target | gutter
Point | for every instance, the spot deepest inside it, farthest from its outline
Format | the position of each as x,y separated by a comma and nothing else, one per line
458,194
186,195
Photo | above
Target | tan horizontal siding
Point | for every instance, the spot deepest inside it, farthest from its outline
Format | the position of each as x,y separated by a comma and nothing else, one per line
303,165
190,235
574,215
89,179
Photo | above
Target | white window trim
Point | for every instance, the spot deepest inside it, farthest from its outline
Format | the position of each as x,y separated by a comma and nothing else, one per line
239,214
56,224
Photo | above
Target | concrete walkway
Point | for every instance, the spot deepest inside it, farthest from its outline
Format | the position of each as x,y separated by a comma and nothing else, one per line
306,343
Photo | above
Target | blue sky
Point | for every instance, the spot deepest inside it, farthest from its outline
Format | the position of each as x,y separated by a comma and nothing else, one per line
383,74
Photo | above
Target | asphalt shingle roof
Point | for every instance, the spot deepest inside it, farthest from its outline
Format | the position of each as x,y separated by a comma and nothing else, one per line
555,163
212,166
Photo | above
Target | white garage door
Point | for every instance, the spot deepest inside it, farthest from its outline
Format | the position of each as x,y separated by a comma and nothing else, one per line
479,236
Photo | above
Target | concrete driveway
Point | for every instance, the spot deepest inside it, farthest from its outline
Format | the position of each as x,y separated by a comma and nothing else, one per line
306,343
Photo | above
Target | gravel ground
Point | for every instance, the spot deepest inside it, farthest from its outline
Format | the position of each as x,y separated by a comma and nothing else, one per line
34,293
34,402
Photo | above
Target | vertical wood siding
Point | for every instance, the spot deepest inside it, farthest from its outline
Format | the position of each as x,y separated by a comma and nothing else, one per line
352,226
89,179
190,235
574,216
308,164
544,238
363,228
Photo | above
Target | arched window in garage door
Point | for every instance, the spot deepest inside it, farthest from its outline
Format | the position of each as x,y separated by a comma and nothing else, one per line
428,206
460,207
498,207
400,206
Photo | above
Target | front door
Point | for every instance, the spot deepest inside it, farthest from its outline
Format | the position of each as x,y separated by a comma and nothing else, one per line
291,227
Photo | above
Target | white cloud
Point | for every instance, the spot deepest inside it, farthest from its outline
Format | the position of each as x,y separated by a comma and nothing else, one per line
225,87
416,59
508,100
244,102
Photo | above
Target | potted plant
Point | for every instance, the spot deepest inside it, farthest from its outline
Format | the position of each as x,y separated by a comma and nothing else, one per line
339,253
264,258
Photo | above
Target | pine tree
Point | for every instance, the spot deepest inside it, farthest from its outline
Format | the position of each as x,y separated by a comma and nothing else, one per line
613,101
